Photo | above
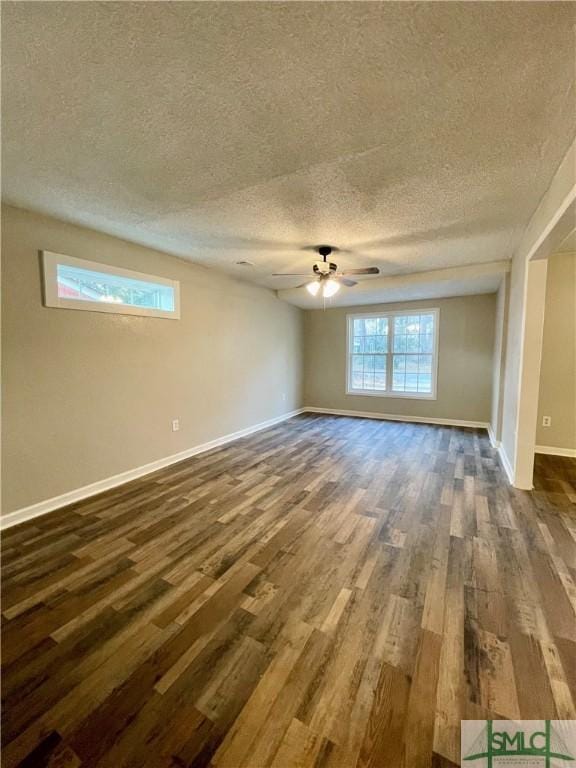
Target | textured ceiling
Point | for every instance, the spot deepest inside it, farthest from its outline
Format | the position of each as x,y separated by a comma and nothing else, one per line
414,136
436,284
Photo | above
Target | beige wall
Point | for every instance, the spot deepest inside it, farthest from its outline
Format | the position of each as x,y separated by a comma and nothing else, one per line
558,373
551,222
498,367
466,345
514,335
88,395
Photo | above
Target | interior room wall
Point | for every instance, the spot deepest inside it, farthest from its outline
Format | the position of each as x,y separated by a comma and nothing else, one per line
549,225
499,361
557,398
514,335
466,346
88,395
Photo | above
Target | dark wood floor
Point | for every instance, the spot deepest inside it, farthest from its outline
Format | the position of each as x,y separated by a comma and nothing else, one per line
332,592
555,480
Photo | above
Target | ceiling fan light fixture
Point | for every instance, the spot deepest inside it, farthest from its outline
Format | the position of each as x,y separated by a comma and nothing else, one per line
329,288
313,287
327,280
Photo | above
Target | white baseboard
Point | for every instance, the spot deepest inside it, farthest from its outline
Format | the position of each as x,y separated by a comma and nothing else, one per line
492,436
551,450
395,417
506,464
49,505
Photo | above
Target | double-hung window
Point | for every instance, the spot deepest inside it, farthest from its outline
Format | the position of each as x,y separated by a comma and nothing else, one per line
393,354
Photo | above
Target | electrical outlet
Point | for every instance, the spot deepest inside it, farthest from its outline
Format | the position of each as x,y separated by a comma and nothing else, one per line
546,421
283,397
175,425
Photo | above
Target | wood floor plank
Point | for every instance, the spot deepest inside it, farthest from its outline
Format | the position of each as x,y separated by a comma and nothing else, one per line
420,713
332,592
384,740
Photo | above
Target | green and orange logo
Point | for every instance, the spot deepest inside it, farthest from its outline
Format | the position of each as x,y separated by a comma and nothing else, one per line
539,742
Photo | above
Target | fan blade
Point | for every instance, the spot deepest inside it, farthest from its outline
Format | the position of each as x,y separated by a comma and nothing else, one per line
365,271
293,274
346,281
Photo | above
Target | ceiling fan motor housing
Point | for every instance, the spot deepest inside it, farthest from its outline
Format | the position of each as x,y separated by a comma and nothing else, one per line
324,267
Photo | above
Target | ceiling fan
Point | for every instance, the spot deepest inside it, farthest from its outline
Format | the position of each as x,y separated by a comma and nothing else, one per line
325,277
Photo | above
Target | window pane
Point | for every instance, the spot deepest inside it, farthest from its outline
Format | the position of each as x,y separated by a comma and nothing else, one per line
427,343
89,285
381,343
371,325
358,326
357,363
426,323
418,376
382,325
411,363
413,324
425,382
425,364
380,381
400,324
412,343
357,345
380,372
398,372
368,380
370,344
357,380
399,343
411,382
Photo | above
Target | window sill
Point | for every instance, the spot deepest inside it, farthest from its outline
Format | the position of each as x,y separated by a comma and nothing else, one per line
409,395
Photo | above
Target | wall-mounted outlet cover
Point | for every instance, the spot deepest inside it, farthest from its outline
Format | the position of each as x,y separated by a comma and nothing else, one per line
547,421
175,425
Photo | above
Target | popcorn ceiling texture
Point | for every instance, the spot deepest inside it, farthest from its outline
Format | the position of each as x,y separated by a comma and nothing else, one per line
418,136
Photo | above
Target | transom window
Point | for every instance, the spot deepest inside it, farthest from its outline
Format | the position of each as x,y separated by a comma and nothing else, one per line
71,283
393,354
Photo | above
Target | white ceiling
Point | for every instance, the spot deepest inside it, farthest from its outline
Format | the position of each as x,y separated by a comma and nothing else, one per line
415,136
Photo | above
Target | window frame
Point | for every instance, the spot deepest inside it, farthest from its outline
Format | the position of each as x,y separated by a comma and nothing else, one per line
388,392
50,262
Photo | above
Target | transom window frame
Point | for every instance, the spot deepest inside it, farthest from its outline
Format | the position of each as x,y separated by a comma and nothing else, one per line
51,261
388,392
